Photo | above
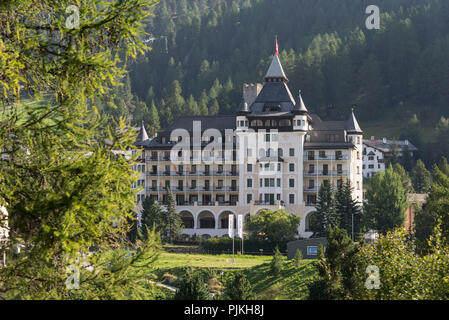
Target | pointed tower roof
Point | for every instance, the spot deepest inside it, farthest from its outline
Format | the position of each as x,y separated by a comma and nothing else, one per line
143,136
301,107
352,126
275,71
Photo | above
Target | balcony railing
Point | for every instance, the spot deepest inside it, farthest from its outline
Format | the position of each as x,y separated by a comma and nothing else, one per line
326,158
191,159
194,189
329,173
192,173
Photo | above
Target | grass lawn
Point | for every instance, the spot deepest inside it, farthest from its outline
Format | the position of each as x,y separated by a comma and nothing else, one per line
290,285
173,260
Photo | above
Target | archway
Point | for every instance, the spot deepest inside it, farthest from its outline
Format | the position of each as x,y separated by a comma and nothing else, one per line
206,220
187,220
223,220
308,220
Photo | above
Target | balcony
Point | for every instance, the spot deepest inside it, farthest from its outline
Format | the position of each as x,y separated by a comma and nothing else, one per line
311,189
329,173
326,158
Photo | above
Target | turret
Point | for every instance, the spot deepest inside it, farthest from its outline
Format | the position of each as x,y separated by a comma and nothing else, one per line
301,119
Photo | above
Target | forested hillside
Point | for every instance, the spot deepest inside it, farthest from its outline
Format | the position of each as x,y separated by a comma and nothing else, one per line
214,46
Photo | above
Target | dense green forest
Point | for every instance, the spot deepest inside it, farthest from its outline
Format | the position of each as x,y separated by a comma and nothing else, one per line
397,77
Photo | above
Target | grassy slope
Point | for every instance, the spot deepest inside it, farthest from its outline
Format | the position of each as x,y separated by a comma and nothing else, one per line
291,284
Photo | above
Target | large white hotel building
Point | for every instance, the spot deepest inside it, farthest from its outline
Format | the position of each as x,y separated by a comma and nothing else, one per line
272,154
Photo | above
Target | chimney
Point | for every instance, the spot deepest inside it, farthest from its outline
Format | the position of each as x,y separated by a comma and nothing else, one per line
250,92
372,138
384,140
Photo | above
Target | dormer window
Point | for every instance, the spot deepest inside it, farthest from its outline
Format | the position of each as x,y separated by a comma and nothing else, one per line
271,108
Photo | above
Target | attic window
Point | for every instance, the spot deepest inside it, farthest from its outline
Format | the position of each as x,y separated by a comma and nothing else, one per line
271,108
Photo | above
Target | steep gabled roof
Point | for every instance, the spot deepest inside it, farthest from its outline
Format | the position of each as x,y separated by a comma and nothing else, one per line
142,136
275,70
352,126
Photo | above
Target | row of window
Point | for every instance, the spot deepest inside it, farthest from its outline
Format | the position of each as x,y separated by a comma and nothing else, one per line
371,166
269,183
269,198
138,184
193,184
271,123
311,184
270,152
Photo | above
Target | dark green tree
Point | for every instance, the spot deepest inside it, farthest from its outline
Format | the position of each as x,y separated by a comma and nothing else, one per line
152,217
238,288
421,178
278,226
348,209
386,201
172,219
443,166
192,287
335,267
67,188
277,262
298,258
436,206
326,213
405,177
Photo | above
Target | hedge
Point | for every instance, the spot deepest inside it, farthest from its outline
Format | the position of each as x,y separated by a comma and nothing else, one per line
224,245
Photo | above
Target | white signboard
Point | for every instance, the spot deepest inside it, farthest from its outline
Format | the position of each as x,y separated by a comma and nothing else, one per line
231,226
240,225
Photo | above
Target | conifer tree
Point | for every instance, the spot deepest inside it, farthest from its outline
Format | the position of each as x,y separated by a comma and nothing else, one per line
405,177
66,181
152,217
192,287
238,288
443,166
276,263
421,178
348,209
298,258
173,219
326,214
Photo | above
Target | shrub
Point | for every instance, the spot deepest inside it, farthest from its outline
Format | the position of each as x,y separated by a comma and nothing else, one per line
298,257
224,244
193,288
276,263
238,288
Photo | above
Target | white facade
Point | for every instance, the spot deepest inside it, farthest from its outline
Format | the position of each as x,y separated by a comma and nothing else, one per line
279,157
373,161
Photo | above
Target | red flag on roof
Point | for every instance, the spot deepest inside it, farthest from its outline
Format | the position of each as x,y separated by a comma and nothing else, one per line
277,47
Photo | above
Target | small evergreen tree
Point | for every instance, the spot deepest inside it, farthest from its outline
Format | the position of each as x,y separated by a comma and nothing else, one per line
298,258
173,219
276,263
193,287
407,159
421,178
326,214
443,166
335,265
152,217
348,209
405,177
239,288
